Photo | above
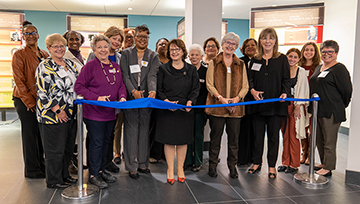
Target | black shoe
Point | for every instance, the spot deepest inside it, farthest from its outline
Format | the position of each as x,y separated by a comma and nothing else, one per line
291,170
134,176
212,172
233,173
117,160
253,171
70,180
58,185
97,181
108,178
317,168
326,175
196,168
112,167
144,171
282,168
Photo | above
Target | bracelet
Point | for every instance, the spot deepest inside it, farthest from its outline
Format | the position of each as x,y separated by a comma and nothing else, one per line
133,91
218,98
239,98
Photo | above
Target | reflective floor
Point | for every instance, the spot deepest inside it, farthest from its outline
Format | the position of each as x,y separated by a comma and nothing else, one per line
152,188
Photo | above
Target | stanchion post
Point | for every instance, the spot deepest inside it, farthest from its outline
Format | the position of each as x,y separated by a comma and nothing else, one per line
80,191
311,180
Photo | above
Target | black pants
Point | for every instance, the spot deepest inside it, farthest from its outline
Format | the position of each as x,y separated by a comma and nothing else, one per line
246,140
31,141
272,124
59,142
156,148
99,134
232,129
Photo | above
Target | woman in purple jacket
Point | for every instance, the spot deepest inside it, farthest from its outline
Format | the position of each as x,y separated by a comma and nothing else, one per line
100,79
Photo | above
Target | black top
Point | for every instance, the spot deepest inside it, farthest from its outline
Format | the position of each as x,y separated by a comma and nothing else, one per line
334,89
273,79
246,60
178,85
293,82
201,100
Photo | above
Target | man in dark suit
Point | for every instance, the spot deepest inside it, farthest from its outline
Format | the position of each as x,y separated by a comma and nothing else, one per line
139,67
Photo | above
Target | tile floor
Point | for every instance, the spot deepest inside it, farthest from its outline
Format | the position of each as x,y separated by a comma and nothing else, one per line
152,188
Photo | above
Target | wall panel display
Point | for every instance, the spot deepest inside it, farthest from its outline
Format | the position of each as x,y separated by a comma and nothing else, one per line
10,41
89,26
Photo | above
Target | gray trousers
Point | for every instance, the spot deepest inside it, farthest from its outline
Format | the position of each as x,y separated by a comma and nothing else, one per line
326,139
136,138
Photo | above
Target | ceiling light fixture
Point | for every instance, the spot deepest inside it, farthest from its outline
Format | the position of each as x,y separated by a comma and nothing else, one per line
130,9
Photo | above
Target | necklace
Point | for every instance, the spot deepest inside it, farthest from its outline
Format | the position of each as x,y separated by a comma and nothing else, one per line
113,71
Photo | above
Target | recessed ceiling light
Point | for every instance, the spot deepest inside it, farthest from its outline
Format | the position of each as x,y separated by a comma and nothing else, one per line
274,5
223,12
130,9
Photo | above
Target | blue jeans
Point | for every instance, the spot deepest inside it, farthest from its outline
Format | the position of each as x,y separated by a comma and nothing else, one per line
99,133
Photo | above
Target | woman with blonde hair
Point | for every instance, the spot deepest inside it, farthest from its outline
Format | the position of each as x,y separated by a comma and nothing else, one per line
269,78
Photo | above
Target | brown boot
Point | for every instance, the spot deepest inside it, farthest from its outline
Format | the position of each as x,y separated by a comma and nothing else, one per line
305,148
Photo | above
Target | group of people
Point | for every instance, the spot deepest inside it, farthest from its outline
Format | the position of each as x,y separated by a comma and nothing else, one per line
121,67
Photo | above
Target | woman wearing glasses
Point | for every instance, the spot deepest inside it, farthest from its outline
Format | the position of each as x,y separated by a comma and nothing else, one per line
100,79
129,38
226,82
211,47
55,79
24,64
332,82
269,78
177,82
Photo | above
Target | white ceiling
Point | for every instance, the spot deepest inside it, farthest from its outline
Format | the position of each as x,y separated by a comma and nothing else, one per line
238,9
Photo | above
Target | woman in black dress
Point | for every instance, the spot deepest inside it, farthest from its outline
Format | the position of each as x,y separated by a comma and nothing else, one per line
177,82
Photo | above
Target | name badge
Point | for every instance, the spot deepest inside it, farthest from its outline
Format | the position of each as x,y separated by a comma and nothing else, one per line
112,71
256,67
144,63
323,74
62,73
202,80
135,69
228,70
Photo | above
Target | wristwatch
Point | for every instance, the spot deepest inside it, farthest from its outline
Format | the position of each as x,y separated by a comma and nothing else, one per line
58,111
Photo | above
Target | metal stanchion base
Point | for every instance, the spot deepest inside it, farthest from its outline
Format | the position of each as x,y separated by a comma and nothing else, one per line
73,192
317,182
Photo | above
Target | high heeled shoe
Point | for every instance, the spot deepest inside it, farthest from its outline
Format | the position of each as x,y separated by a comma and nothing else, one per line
170,181
272,175
181,179
254,171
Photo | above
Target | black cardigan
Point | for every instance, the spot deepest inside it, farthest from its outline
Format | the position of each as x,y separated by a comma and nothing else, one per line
273,79
334,90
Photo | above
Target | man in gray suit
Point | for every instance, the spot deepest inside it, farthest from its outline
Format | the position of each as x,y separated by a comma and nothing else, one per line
139,67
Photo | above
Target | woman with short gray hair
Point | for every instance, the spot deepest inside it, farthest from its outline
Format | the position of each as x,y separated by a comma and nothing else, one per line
226,81
100,79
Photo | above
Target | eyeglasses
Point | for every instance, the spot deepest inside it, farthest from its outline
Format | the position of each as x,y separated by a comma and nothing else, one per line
210,46
58,46
175,50
32,33
330,52
143,37
230,43
129,37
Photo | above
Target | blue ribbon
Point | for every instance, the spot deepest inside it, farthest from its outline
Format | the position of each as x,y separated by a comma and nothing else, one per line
159,104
